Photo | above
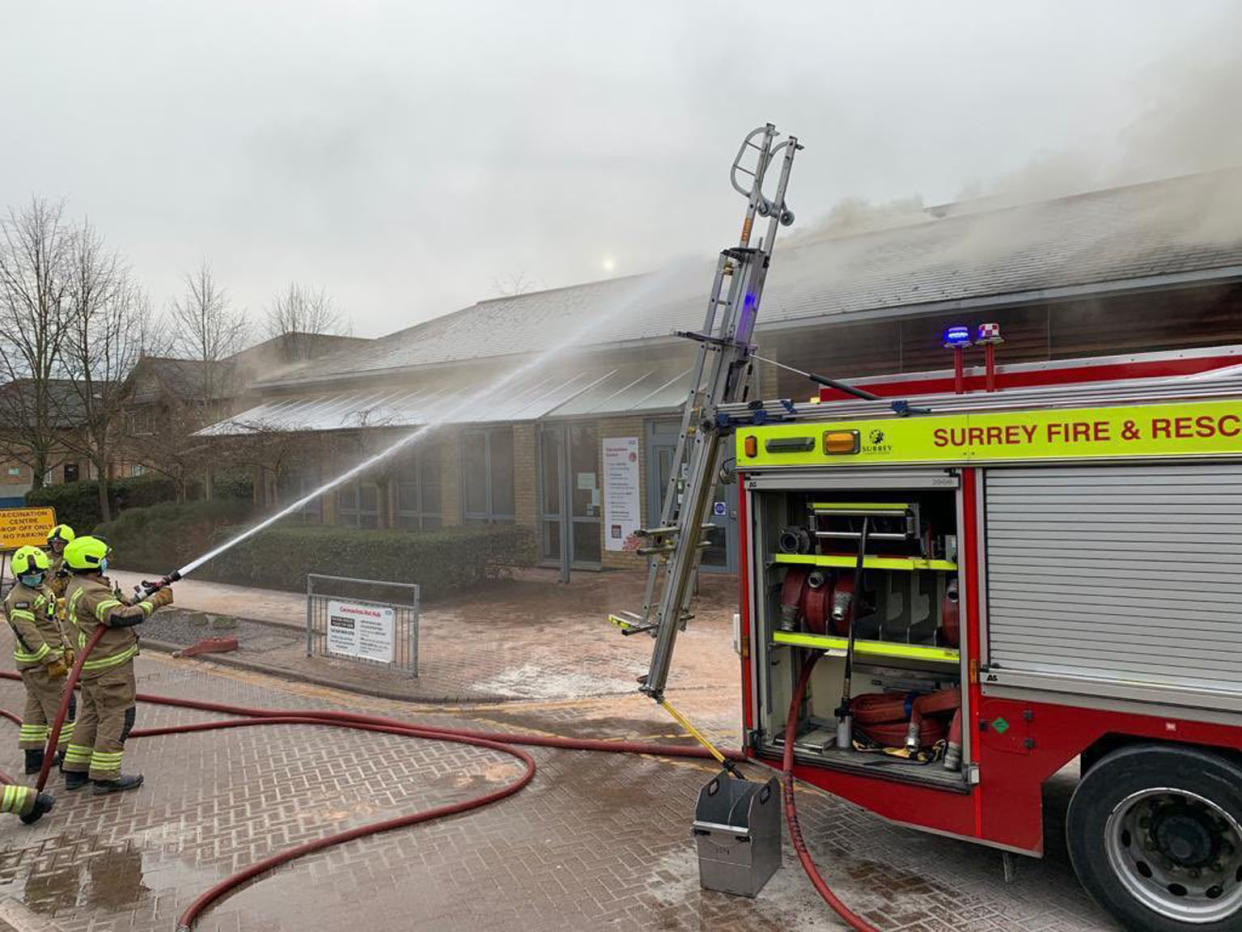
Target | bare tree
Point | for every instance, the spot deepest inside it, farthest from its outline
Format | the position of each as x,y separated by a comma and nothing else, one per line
207,329
172,448
35,250
109,325
514,284
299,311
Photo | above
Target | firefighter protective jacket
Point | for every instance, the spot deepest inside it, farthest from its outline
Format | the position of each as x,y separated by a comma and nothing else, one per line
57,575
90,602
32,615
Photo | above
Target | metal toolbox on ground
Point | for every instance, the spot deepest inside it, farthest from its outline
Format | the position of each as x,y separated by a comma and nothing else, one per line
737,827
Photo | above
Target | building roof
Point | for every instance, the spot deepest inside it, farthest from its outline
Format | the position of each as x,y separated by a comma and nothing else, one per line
195,379
521,395
17,404
1128,237
185,378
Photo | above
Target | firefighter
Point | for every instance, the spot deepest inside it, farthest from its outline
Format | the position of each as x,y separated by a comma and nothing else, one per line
40,650
25,802
108,690
57,539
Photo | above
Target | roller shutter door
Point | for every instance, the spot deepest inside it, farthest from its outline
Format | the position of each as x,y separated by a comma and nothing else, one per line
1122,574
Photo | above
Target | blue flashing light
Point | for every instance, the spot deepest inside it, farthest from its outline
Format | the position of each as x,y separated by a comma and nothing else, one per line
956,337
746,319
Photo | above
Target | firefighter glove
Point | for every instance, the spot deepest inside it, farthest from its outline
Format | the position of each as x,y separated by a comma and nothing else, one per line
70,657
57,669
161,597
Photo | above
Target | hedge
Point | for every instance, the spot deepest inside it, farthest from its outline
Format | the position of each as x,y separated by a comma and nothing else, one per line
168,535
234,485
441,562
165,537
77,503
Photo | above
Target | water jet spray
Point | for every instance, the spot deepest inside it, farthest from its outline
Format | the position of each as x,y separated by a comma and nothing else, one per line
632,303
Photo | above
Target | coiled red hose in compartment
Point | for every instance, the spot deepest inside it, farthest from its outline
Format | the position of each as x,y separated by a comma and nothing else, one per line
885,717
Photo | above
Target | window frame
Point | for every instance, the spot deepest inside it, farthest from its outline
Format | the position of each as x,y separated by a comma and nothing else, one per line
352,516
421,517
489,515
312,511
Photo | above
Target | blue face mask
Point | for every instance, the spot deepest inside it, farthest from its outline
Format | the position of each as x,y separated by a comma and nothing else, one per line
103,565
31,580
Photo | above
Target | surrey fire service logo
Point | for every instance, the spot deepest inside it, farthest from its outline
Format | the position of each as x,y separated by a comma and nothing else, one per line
875,442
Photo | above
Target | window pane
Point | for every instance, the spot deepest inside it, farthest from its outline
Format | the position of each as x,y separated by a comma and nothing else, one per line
407,497
502,472
474,472
550,540
584,466
368,497
347,497
429,466
586,542
550,449
407,468
430,522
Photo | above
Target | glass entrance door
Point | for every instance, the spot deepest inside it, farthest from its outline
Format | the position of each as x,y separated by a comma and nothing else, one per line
570,494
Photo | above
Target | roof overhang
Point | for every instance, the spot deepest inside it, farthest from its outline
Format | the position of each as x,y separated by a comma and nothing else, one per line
518,396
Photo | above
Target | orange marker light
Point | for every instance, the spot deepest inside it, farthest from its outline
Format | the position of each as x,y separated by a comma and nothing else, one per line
751,445
841,441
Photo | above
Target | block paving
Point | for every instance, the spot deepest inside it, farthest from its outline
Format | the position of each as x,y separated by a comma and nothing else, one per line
597,841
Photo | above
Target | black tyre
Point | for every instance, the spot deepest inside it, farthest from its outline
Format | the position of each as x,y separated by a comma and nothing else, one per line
1155,835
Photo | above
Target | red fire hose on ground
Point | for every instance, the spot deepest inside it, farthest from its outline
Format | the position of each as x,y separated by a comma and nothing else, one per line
496,741
855,921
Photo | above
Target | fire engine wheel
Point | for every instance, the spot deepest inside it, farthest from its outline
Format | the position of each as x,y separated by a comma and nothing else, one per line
1155,834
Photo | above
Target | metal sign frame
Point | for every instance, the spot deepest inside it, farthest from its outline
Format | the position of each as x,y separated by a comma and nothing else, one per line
321,590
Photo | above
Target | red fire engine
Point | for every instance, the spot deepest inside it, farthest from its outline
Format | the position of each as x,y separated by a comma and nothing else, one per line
1004,573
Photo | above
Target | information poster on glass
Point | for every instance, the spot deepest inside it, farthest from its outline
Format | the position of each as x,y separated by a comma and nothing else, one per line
622,498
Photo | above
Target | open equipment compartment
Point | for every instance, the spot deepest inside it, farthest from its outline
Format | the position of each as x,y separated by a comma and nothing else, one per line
906,701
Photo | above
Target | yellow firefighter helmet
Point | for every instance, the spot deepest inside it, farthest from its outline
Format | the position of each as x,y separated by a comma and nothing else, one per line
29,560
61,532
86,555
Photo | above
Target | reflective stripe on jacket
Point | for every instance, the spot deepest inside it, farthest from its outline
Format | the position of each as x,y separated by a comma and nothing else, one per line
37,635
91,603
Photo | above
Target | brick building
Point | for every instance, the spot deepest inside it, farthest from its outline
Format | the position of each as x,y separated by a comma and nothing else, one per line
65,438
169,399
529,395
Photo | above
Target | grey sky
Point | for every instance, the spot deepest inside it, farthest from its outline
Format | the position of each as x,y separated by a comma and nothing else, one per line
406,155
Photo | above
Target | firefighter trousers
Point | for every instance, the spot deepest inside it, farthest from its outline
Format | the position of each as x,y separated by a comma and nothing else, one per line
105,717
43,695
18,799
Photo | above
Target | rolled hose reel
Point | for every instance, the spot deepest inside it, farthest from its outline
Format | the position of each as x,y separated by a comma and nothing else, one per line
822,600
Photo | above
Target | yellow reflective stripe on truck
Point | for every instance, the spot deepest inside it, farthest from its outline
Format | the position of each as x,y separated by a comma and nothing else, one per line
859,506
872,648
872,563
1192,428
